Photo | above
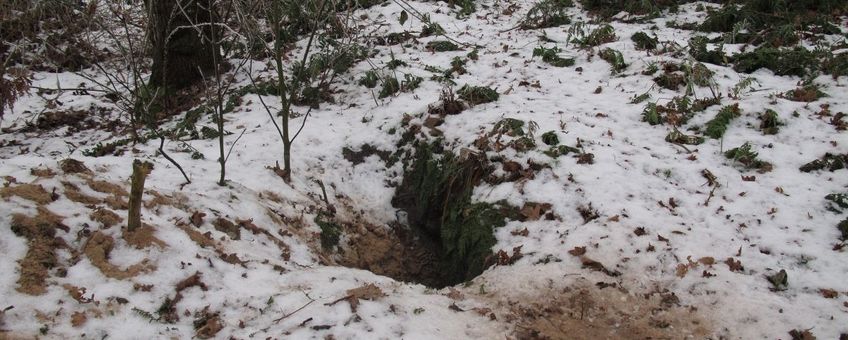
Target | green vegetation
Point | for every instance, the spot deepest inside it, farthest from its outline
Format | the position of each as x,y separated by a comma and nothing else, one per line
390,87
718,125
614,58
369,80
547,13
769,122
643,41
550,138
601,35
442,46
330,231
550,56
747,157
477,94
608,8
436,194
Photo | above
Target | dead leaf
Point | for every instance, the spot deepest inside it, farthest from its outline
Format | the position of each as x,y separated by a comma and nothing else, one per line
597,266
77,293
524,232
735,265
455,294
615,218
78,319
577,251
197,218
801,335
828,293
682,269
209,327
707,260
532,211
640,231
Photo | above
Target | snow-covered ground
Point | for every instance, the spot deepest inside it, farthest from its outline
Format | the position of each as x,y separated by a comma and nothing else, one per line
692,254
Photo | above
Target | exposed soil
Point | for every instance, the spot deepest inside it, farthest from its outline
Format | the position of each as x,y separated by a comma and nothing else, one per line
32,192
399,253
40,232
97,249
605,311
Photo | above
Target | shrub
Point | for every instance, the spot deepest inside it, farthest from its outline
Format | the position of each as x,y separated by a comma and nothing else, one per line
769,122
601,35
369,80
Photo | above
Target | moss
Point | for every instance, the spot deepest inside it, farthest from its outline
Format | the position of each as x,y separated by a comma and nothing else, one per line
477,94
643,41
718,125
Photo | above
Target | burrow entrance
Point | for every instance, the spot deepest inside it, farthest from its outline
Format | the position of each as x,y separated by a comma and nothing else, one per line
447,238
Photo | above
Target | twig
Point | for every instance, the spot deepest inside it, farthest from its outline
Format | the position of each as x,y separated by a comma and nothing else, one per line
311,300
234,144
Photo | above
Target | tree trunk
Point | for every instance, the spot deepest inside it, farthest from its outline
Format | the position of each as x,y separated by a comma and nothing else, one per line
139,174
180,34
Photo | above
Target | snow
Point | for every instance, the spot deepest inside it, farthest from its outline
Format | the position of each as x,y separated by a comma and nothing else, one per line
634,169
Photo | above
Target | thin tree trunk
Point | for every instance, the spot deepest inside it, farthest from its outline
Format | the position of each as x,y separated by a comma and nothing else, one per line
139,174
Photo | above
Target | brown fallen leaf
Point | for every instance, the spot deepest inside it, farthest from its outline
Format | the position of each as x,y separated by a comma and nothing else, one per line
77,293
577,251
640,231
829,293
532,211
801,335
524,232
597,266
197,218
78,319
455,294
735,265
707,260
366,292
682,269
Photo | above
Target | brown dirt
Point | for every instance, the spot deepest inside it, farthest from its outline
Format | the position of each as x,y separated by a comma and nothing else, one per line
107,187
586,311
42,172
40,232
143,237
73,193
116,202
32,192
391,252
73,166
225,226
201,239
98,248
106,217
55,119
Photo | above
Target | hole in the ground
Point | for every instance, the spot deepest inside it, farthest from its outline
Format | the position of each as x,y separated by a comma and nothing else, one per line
448,237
